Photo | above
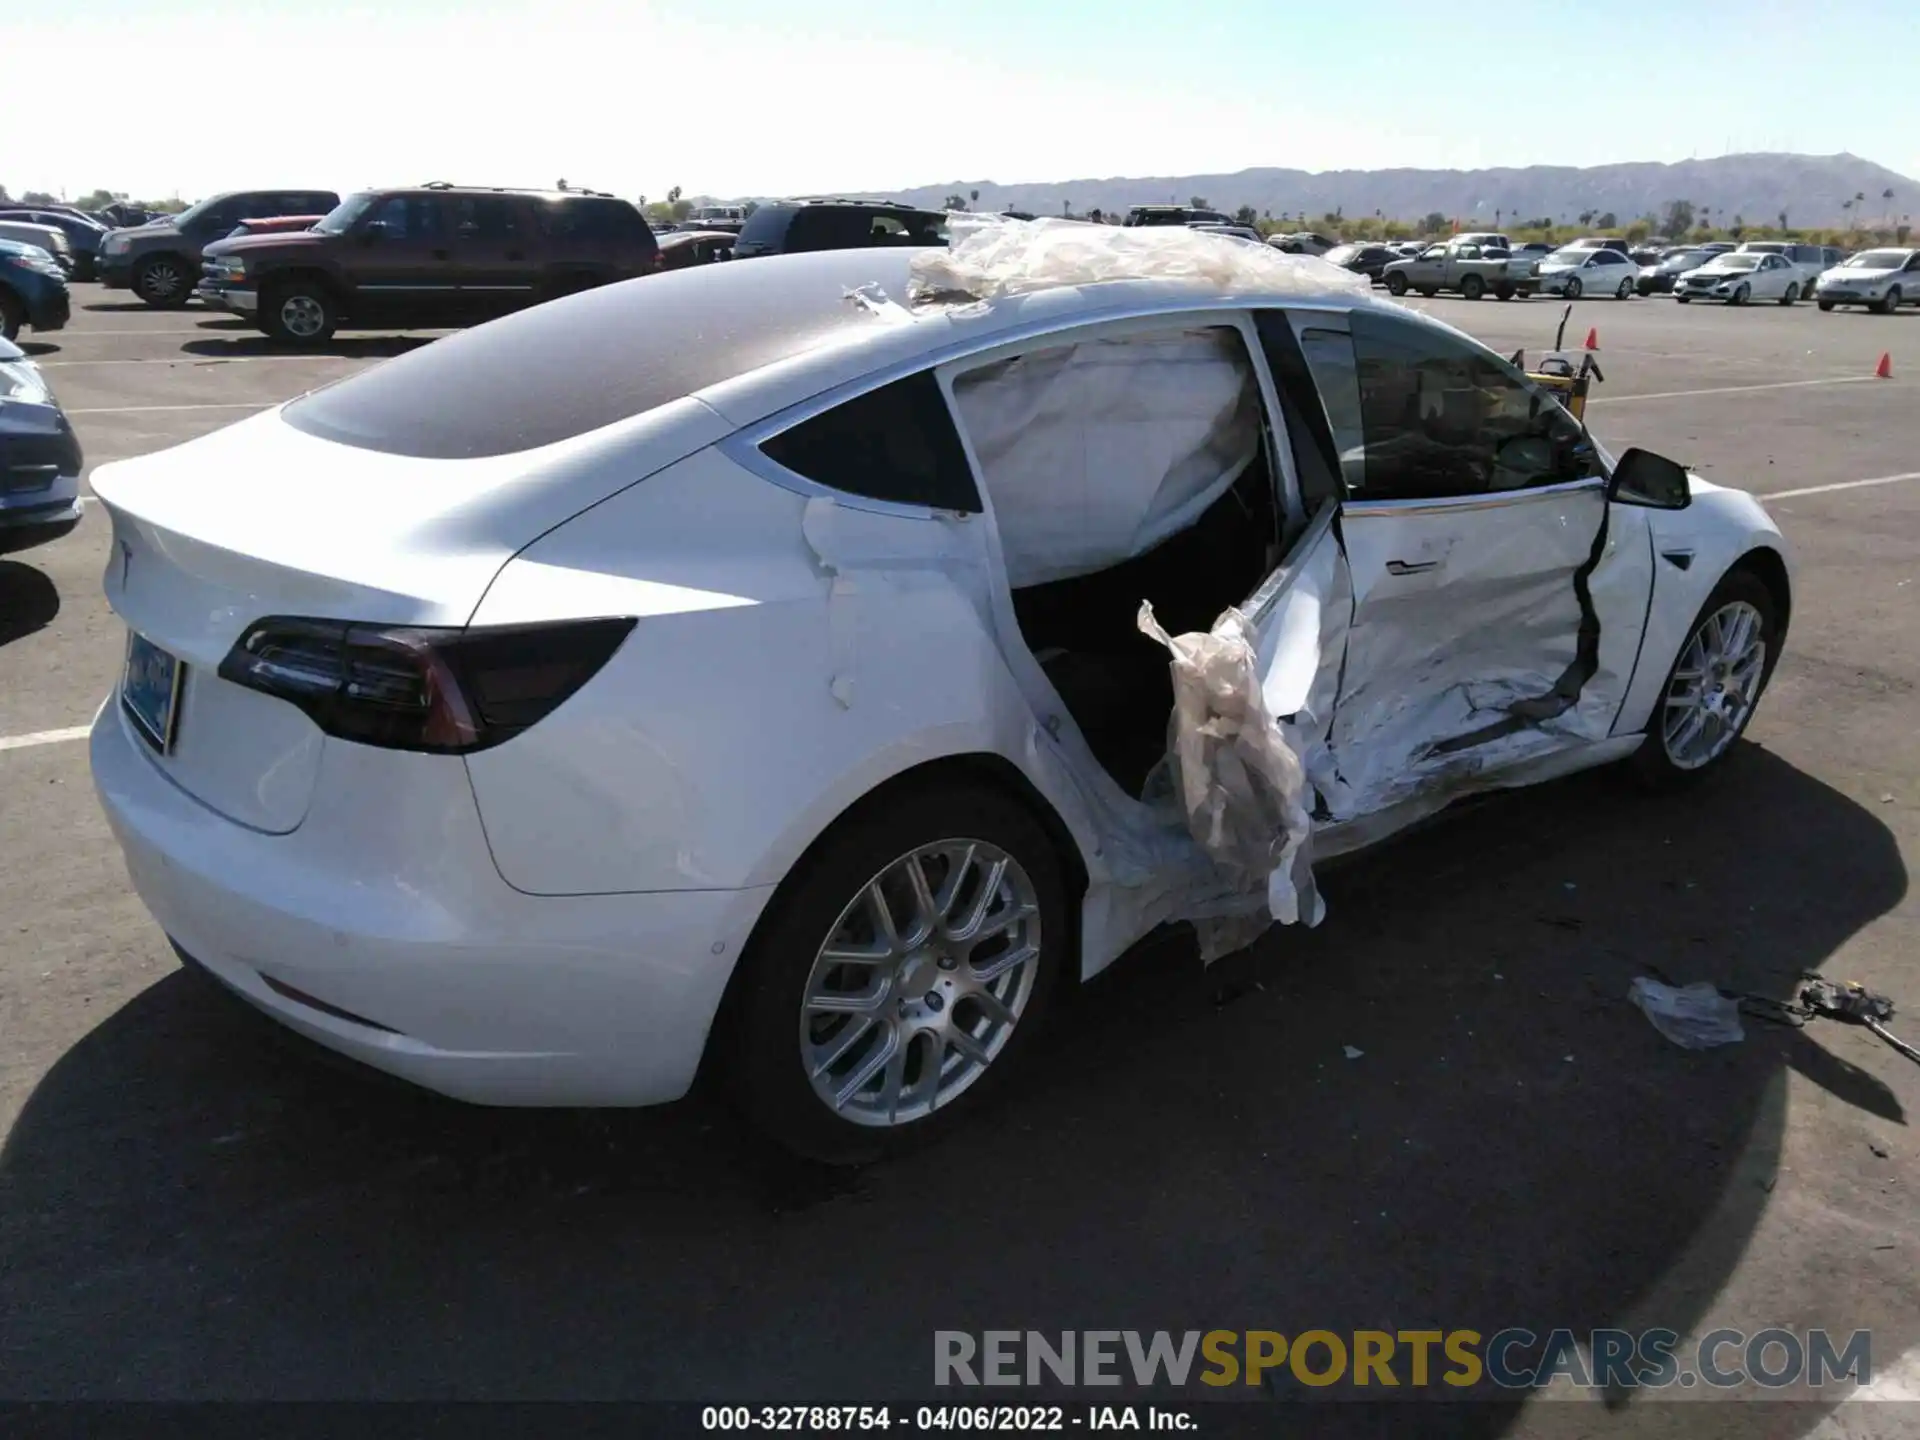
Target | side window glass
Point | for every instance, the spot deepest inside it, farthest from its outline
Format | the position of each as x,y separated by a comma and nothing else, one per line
487,217
395,216
1330,359
1443,418
896,443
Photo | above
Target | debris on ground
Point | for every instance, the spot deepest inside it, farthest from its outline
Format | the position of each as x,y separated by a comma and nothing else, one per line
1694,1017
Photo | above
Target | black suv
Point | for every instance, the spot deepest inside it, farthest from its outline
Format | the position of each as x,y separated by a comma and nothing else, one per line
1174,215
428,254
160,260
788,226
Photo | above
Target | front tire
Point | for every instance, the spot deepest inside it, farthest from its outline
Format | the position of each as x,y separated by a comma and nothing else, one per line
1573,289
1680,299
1742,295
1472,288
1714,685
1396,283
302,312
900,975
1625,292
163,281
1825,304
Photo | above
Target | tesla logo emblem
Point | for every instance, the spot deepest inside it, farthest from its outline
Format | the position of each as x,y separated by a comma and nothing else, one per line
126,562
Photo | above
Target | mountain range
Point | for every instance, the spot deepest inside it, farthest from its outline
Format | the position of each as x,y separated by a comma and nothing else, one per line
1810,189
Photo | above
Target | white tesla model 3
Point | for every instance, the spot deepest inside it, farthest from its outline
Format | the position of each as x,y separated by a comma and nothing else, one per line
753,659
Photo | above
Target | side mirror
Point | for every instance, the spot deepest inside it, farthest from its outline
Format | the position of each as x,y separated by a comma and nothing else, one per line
1644,478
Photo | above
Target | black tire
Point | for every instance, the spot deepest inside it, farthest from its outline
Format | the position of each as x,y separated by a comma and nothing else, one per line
1826,304
1652,765
13,315
1396,283
1574,288
1793,294
1503,292
164,281
761,1027
1472,287
1890,304
1625,292
1427,292
299,312
1742,294
1680,299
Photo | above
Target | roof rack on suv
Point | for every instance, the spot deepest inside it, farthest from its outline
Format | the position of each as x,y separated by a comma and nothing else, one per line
520,189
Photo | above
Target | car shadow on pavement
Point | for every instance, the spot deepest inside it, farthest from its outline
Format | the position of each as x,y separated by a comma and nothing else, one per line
28,601
368,347
34,348
131,306
192,1205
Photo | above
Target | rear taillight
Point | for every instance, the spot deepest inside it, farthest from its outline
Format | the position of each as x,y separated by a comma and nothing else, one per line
417,688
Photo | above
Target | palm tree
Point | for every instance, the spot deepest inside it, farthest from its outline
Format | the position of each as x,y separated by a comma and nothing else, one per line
1783,221
1859,199
1887,195
973,196
1847,205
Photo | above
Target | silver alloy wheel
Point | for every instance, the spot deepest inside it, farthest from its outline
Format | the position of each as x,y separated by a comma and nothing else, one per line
1625,291
921,982
1573,288
161,280
1714,686
302,316
1740,295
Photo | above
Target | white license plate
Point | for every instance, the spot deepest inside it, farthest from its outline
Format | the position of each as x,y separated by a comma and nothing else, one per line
150,691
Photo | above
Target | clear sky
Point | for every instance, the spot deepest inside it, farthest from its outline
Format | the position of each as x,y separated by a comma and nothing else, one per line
737,97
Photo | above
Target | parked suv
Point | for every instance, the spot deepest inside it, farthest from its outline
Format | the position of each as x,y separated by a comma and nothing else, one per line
160,261
1174,215
33,290
428,253
83,235
789,226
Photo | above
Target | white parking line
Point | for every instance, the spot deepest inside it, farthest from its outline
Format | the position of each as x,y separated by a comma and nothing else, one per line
1838,485
150,409
1737,389
44,737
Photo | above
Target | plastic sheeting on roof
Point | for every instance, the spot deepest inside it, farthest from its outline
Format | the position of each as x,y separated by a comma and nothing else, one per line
989,257
1096,452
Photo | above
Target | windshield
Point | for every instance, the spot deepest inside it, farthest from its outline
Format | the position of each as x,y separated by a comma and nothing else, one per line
1760,247
339,220
1342,252
1739,262
192,213
1686,258
1878,260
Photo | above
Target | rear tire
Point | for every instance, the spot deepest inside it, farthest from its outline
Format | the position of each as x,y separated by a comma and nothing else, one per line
1472,288
1625,292
163,281
1503,292
1680,299
1665,761
1573,289
299,312
782,1050
1826,304
12,314
1427,292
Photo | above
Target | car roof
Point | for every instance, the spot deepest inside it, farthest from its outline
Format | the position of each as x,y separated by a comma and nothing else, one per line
748,340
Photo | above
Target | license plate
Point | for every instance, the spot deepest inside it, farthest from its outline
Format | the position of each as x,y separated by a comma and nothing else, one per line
150,691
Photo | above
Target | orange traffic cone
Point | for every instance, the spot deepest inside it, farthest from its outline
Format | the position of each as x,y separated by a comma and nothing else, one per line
1593,339
1884,370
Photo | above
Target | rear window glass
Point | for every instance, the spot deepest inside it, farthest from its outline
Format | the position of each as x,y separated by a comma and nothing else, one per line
561,369
896,443
604,221
767,225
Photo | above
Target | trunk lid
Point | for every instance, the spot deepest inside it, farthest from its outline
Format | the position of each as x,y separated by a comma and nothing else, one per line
262,519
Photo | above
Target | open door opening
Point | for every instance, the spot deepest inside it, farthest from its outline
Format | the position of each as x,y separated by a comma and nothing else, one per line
1125,468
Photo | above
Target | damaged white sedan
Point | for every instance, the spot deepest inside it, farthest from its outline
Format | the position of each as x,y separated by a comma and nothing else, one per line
815,663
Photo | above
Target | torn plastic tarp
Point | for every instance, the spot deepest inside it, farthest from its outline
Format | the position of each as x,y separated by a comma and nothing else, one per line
1096,452
987,257
1242,786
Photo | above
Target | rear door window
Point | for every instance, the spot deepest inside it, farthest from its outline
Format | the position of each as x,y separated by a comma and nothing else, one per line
486,217
896,443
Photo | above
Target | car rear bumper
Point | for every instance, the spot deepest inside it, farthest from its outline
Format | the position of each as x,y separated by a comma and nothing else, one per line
381,929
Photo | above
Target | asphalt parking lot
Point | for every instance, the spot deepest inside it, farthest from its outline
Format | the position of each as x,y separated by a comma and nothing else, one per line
193,1207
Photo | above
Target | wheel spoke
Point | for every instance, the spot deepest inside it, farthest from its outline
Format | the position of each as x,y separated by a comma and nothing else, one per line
926,908
861,1002
969,930
995,1008
878,1058
896,1077
851,1034
1000,964
883,925
968,1044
